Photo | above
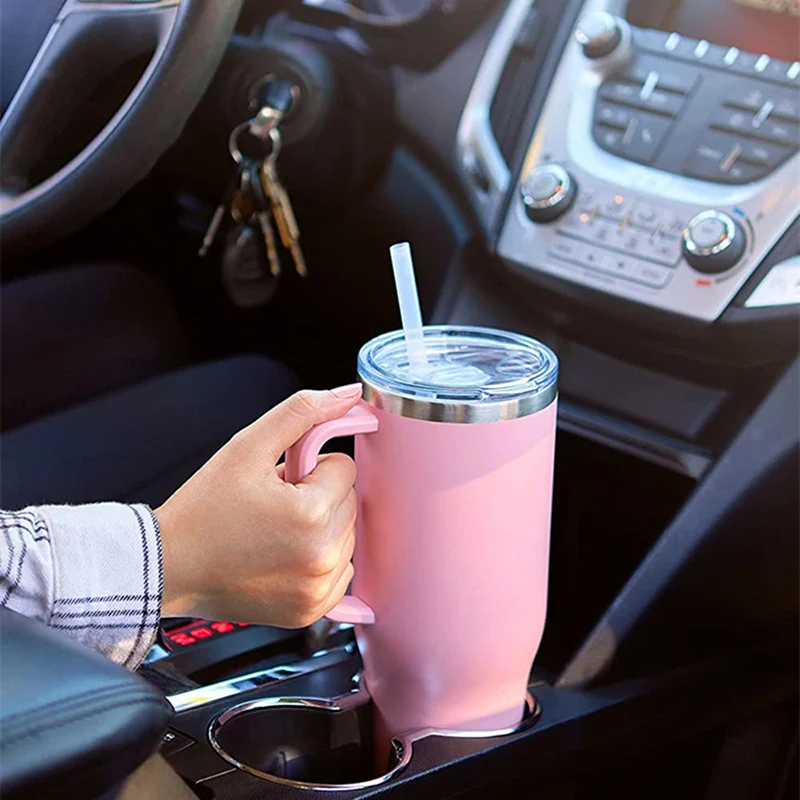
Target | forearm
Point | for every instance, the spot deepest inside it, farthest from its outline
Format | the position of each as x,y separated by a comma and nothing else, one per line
93,572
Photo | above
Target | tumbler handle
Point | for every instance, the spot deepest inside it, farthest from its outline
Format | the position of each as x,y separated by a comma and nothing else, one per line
301,458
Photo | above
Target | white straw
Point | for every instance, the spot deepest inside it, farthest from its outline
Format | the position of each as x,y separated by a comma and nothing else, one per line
407,297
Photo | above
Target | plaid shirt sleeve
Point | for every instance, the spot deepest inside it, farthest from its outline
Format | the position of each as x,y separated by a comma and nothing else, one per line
92,571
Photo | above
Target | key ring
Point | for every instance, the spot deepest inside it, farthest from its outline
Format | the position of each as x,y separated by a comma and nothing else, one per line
233,141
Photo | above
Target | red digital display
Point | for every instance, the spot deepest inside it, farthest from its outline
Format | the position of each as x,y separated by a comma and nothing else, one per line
199,630
183,639
223,627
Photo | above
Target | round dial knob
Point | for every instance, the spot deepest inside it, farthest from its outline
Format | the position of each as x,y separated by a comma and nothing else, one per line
713,242
598,34
548,192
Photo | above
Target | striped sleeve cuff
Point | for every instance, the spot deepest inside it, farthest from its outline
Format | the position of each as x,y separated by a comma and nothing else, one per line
107,577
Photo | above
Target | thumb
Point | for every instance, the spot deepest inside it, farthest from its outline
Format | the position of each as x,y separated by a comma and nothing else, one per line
283,425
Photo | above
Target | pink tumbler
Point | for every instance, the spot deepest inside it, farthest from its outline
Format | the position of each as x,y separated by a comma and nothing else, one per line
455,475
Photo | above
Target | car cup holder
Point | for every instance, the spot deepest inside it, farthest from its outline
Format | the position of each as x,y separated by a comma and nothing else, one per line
326,745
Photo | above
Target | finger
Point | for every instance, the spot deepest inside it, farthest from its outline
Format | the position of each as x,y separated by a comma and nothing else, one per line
348,548
332,480
281,427
339,589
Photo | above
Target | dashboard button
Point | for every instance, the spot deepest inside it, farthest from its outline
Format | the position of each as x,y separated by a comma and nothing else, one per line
763,153
787,108
712,56
619,92
613,115
645,138
593,257
639,141
682,47
652,275
657,100
732,120
609,138
723,155
751,100
705,163
662,249
742,172
780,131
775,70
568,249
745,63
632,240
621,265
575,223
663,102
602,232
678,78
673,224
650,39
614,206
645,216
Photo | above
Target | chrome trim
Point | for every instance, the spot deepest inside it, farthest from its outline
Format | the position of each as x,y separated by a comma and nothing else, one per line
457,412
724,241
195,698
475,140
403,744
764,208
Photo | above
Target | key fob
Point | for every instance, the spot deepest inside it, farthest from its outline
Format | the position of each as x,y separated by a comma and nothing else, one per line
245,270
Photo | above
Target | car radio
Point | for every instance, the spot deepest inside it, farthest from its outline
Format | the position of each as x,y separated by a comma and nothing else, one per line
664,166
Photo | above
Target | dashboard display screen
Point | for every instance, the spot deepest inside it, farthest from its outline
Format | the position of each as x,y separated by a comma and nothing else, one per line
755,26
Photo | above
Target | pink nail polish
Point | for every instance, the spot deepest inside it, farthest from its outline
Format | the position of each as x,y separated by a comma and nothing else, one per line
346,392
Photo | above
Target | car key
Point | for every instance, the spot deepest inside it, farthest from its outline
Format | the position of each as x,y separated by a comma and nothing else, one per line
226,204
261,211
282,210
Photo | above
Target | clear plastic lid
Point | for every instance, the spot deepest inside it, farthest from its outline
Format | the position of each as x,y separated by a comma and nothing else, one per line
472,375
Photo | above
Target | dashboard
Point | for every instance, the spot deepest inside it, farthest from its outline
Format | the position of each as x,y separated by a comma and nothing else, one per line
663,167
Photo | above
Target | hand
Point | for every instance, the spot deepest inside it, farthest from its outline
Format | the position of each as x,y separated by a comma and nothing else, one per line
239,543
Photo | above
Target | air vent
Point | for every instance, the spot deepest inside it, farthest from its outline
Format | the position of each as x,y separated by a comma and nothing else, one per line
510,103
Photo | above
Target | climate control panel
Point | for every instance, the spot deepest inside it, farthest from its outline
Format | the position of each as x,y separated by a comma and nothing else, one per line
648,177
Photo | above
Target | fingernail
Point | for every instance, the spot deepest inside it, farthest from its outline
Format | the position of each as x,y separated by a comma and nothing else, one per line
346,392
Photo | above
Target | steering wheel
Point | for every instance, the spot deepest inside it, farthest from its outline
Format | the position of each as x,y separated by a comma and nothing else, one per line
84,42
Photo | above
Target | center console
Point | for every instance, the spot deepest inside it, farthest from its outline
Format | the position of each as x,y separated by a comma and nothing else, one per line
663,167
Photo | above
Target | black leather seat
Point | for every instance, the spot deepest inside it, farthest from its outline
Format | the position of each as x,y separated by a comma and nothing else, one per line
108,334
138,444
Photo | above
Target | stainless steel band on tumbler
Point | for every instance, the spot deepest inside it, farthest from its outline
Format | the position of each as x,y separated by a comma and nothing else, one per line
454,411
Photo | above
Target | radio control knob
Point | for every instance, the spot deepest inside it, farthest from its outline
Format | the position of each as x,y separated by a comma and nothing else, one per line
599,34
713,242
548,192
